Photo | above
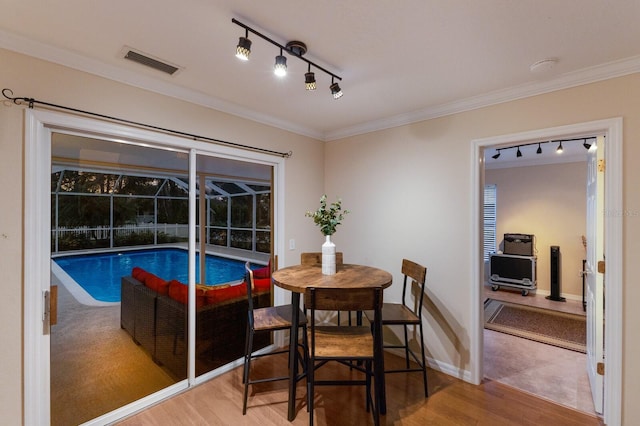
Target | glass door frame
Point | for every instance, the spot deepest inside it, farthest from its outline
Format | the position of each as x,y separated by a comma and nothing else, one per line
37,252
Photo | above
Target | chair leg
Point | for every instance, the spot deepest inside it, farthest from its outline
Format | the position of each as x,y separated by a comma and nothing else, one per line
305,356
424,364
406,346
247,369
310,389
246,351
370,403
305,351
368,373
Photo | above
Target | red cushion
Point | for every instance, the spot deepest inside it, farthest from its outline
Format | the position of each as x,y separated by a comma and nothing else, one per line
180,292
263,272
220,295
157,284
139,274
262,284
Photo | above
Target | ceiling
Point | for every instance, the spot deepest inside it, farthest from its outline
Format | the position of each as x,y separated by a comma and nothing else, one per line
400,61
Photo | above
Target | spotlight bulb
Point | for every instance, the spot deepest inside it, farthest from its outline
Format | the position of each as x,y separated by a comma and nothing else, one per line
559,149
280,68
310,81
243,49
539,150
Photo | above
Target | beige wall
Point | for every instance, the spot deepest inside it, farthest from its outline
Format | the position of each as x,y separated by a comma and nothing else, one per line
409,189
410,192
548,201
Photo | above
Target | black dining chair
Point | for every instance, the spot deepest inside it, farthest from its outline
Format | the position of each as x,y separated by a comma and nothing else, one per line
263,320
344,343
402,314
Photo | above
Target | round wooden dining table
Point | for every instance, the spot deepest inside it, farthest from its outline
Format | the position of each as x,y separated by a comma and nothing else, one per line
298,278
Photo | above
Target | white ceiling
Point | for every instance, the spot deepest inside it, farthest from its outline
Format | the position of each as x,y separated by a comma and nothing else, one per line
401,61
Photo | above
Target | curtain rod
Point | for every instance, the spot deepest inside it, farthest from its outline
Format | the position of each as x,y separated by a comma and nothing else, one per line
7,93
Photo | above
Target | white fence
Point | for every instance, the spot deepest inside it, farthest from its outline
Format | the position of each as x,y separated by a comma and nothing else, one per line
103,232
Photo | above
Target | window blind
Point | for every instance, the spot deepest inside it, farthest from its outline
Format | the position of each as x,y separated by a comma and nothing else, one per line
489,220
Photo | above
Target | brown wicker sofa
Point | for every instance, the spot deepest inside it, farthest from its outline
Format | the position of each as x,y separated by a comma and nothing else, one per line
157,320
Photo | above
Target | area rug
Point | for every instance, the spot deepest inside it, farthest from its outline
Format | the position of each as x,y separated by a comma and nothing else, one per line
541,325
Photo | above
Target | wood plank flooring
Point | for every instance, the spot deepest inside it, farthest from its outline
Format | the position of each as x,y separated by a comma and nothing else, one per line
451,402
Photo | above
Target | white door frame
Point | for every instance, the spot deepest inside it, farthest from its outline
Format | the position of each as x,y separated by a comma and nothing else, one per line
612,129
37,255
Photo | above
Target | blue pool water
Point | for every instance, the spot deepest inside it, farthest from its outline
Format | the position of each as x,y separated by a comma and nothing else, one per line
99,274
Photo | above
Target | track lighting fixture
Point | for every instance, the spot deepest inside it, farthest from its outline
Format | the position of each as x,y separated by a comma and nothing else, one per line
292,48
559,149
280,68
310,79
244,47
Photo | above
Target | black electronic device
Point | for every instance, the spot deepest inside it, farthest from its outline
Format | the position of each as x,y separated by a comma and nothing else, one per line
513,271
555,280
519,244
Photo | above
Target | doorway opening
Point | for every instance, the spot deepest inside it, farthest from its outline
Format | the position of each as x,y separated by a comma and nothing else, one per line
540,203
612,244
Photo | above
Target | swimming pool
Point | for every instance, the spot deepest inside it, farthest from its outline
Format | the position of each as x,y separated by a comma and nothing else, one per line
99,274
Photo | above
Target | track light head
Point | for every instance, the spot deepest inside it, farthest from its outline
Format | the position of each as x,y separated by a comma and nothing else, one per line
243,50
559,150
539,150
586,144
496,156
336,91
310,80
518,153
280,67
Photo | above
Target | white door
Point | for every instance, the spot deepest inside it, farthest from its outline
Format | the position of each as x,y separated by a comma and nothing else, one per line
594,280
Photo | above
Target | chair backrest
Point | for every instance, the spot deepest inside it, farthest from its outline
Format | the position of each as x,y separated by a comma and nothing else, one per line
418,275
345,299
313,258
342,299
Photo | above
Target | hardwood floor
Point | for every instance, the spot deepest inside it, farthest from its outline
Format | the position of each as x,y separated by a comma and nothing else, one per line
451,402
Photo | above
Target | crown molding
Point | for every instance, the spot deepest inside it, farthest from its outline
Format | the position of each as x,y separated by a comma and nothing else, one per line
73,60
572,79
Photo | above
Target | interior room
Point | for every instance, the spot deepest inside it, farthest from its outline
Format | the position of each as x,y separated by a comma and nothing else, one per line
544,198
397,111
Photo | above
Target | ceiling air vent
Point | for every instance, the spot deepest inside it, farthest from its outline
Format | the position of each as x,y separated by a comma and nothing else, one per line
148,61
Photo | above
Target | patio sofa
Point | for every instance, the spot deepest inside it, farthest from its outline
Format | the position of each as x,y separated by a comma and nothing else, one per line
153,311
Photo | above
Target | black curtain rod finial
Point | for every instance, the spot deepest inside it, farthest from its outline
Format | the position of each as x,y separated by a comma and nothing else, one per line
17,100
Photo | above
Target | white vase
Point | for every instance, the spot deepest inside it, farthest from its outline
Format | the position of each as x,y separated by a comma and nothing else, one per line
328,257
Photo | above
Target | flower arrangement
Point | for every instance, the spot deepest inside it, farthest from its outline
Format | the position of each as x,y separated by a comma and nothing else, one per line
328,219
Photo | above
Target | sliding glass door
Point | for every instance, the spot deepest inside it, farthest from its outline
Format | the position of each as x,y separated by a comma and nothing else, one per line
126,222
